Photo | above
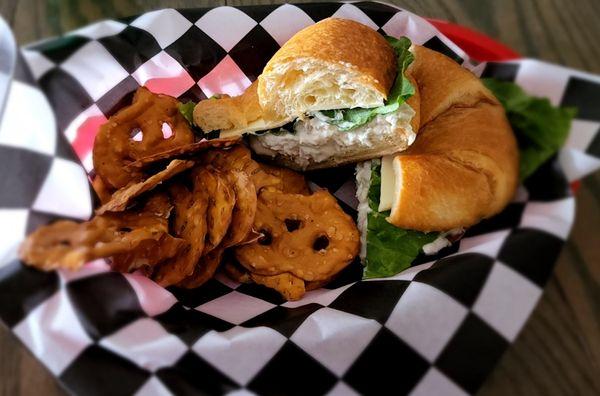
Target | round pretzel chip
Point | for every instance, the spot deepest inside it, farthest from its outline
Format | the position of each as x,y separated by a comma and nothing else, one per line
290,182
189,224
244,209
221,202
151,124
289,286
239,158
235,271
182,199
309,236
204,271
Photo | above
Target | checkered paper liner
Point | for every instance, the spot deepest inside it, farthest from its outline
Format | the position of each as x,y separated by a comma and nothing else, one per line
437,328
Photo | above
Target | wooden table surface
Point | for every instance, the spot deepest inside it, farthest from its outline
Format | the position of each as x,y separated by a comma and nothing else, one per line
558,352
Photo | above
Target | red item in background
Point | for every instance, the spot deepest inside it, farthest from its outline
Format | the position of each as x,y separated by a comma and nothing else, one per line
477,45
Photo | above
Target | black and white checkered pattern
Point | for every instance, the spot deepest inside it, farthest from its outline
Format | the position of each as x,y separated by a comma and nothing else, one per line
444,323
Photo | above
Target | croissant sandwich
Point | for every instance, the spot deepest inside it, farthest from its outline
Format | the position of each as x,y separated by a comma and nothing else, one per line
338,92
326,99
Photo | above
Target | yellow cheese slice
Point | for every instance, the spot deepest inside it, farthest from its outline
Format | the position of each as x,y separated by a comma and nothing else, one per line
255,126
388,182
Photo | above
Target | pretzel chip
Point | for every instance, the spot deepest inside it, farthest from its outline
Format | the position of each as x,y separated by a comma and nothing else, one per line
102,191
253,236
221,202
158,204
289,181
314,285
189,224
244,210
150,253
182,151
289,286
67,244
239,158
235,271
123,197
308,236
147,254
152,124
204,271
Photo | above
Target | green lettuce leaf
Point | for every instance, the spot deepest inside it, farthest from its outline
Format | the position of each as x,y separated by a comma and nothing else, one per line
390,249
187,111
282,130
541,129
347,119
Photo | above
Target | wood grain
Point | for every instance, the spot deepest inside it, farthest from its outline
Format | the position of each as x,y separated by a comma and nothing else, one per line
558,351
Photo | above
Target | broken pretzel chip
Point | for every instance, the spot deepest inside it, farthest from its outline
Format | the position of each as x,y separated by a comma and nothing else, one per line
158,204
289,286
185,150
67,244
123,197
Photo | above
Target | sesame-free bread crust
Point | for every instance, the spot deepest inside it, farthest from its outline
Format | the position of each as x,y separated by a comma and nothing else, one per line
463,166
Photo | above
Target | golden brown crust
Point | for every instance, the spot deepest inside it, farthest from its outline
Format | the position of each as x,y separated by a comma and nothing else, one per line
236,115
415,103
333,42
228,112
443,83
391,145
439,194
463,167
338,41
